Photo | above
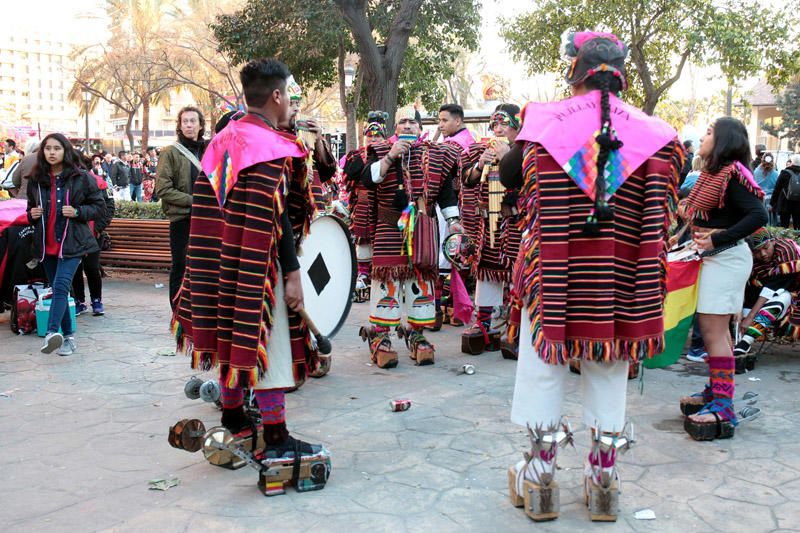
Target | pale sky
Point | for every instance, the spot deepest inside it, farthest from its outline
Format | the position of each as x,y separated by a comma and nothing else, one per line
81,20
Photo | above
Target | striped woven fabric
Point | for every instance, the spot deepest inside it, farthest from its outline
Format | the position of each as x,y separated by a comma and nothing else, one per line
785,261
389,262
363,215
490,265
224,316
468,197
709,191
596,298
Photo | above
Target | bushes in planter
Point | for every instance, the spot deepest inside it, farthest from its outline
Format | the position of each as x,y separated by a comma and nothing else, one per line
138,210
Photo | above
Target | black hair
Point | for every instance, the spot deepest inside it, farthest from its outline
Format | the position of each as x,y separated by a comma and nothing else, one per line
83,160
224,120
11,142
606,82
41,173
121,153
731,144
200,118
260,77
453,109
687,143
512,109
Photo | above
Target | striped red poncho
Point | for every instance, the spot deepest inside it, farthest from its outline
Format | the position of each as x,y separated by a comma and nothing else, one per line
595,298
224,312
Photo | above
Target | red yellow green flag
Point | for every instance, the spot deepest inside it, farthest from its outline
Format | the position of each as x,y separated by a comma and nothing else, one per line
679,308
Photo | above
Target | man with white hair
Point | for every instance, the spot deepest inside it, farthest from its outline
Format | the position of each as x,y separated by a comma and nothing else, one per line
785,199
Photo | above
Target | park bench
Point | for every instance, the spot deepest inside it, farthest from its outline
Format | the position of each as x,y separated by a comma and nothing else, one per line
138,243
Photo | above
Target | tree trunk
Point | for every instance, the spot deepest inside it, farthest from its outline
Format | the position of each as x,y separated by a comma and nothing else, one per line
128,132
381,63
145,122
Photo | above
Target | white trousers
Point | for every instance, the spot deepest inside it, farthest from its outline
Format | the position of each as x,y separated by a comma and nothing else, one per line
364,252
279,373
539,389
489,293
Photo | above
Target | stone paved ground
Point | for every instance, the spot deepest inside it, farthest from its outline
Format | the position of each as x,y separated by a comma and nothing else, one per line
80,438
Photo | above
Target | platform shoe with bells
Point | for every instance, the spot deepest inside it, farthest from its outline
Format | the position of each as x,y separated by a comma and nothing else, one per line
531,482
601,484
421,351
380,347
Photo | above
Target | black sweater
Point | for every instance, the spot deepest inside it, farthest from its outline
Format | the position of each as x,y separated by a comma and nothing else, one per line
742,214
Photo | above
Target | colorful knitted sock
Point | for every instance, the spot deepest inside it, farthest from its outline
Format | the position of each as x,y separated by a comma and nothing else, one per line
231,398
364,267
272,404
721,370
514,319
485,315
382,329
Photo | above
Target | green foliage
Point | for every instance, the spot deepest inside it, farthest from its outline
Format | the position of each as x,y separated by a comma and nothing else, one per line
302,34
138,210
785,232
662,36
305,35
788,103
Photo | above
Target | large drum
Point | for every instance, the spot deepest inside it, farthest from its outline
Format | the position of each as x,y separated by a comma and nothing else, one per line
328,272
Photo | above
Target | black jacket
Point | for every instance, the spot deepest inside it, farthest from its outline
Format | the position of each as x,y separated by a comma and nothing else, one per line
120,174
779,201
82,191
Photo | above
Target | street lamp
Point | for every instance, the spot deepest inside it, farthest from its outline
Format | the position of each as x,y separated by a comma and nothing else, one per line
349,74
87,97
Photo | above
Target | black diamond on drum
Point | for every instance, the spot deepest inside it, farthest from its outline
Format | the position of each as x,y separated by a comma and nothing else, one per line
319,275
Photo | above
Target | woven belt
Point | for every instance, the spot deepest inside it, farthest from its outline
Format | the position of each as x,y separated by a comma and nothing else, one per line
715,251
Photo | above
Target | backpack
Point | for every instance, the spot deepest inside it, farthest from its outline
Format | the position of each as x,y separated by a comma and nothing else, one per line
793,188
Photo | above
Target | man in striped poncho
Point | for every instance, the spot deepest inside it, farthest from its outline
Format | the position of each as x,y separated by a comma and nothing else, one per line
410,176
241,293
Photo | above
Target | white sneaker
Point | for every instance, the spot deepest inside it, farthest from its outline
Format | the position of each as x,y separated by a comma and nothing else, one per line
69,346
52,341
697,358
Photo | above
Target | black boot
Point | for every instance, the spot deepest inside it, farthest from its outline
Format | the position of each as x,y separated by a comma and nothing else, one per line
278,442
235,420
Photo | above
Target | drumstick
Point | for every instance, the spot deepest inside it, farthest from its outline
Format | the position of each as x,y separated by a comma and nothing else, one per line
323,343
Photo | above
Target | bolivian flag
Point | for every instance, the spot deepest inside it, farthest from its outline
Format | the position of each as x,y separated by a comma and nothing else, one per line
679,308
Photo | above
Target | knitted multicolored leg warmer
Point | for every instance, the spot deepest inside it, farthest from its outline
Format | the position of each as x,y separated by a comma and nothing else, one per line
231,398
721,369
272,404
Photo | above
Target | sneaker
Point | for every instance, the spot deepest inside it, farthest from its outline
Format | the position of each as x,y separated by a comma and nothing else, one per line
698,356
69,346
97,307
52,341
80,308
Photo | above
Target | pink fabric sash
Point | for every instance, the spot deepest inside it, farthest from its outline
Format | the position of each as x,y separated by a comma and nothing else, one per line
462,304
567,130
463,138
13,213
242,144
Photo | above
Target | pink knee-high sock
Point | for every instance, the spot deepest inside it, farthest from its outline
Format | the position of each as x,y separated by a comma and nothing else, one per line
721,372
231,398
272,404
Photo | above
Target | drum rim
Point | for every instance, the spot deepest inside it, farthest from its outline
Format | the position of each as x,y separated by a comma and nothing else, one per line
354,264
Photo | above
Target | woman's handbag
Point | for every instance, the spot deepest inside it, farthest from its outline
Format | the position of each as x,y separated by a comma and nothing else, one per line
424,250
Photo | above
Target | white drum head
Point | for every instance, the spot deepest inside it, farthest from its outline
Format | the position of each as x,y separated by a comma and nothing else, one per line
328,272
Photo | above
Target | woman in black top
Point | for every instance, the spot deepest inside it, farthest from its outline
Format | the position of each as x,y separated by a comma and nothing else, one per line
724,207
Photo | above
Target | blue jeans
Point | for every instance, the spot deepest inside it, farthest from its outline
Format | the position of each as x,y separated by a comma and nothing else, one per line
136,192
60,273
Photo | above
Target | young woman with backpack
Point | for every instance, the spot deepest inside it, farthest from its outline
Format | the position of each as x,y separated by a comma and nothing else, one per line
785,199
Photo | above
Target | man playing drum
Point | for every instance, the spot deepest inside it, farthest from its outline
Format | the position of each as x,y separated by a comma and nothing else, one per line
410,176
238,306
